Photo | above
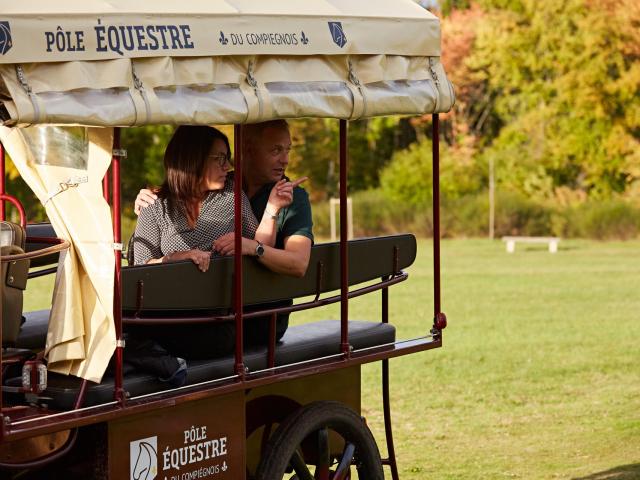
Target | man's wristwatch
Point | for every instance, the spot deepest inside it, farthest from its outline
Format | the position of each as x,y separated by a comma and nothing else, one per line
259,249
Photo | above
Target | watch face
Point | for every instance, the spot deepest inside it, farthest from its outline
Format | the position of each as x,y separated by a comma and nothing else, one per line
259,250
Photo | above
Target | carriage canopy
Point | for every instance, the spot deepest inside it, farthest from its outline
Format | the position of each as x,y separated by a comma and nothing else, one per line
100,63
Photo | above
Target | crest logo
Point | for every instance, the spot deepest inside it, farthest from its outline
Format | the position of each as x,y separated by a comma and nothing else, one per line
337,33
5,38
223,40
143,459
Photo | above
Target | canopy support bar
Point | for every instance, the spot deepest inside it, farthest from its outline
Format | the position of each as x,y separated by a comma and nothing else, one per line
119,392
345,348
237,276
439,318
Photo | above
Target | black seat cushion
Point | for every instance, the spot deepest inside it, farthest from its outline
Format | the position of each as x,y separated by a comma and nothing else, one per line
300,343
33,332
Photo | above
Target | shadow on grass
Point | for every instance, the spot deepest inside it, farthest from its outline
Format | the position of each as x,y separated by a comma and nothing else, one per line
624,472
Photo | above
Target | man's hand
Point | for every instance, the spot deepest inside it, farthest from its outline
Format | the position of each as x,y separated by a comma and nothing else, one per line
225,245
281,195
145,198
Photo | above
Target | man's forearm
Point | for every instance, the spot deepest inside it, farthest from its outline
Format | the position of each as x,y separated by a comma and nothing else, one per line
287,262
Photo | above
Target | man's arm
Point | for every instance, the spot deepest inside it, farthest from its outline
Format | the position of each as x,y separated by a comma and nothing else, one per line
292,260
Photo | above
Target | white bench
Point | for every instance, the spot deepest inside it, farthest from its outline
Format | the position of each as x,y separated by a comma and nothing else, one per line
551,241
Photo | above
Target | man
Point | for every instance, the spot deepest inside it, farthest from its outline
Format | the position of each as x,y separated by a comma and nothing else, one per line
266,148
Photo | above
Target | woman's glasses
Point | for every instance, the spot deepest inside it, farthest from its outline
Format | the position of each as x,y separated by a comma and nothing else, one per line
222,159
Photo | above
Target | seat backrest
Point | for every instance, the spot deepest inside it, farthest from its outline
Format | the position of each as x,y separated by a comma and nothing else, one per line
181,286
13,280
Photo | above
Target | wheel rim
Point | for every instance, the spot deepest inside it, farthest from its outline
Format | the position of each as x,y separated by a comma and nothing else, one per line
325,468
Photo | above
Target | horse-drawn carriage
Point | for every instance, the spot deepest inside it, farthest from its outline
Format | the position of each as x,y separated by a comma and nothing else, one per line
71,75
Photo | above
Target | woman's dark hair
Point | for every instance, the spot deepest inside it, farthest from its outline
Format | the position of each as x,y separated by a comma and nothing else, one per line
184,162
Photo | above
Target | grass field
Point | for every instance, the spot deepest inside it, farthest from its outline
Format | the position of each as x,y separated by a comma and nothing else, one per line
539,377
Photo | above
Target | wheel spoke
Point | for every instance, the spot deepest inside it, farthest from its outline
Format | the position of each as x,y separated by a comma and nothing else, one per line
343,472
324,454
300,466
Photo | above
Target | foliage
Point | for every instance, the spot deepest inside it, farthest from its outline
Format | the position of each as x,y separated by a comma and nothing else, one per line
408,178
316,153
565,77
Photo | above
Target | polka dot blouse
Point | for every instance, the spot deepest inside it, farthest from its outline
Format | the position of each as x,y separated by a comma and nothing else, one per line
161,230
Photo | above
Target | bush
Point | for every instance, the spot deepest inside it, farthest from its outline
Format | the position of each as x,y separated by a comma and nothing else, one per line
468,216
608,220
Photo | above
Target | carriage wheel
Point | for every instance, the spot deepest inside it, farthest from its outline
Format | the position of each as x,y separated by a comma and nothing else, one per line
303,440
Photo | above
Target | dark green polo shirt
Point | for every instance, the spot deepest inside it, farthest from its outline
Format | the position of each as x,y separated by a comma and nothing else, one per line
292,220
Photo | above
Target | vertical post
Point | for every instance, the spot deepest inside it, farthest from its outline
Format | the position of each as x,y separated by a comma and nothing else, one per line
119,393
237,276
3,208
436,213
439,318
492,199
386,401
344,252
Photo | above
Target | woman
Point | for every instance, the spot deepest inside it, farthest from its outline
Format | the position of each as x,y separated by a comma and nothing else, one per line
194,208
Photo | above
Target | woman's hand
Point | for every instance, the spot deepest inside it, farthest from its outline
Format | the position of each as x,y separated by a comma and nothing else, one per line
197,256
145,198
281,195
225,245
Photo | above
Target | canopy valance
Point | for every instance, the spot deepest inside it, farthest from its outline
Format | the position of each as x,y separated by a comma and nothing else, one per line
122,63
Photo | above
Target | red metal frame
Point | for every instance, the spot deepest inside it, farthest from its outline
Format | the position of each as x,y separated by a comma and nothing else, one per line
344,247
100,413
439,318
3,210
119,393
44,423
237,275
10,198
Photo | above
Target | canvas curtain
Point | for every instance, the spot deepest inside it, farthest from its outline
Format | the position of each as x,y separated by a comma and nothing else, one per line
64,167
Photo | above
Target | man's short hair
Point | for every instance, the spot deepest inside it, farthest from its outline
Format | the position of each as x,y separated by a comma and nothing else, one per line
253,131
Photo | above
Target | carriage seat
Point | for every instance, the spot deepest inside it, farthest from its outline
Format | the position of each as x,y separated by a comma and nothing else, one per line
13,281
299,343
33,332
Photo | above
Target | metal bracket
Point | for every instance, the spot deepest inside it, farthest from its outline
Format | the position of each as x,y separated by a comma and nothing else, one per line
119,152
120,343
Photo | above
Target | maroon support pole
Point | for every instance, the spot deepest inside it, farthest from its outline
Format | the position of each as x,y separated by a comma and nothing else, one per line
237,277
3,209
2,422
439,318
344,252
117,238
436,213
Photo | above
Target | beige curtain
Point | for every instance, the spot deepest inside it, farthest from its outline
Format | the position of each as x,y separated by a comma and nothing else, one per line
64,167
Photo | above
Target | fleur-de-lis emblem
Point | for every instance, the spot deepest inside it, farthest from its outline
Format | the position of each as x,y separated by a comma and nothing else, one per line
304,38
223,40
224,466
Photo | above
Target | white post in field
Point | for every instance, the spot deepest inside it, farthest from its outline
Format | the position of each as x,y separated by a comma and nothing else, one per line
332,218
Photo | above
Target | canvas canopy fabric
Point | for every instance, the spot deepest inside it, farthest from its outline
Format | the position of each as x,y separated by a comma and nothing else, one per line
122,63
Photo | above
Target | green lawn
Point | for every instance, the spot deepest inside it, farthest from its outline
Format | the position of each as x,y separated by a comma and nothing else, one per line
539,376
